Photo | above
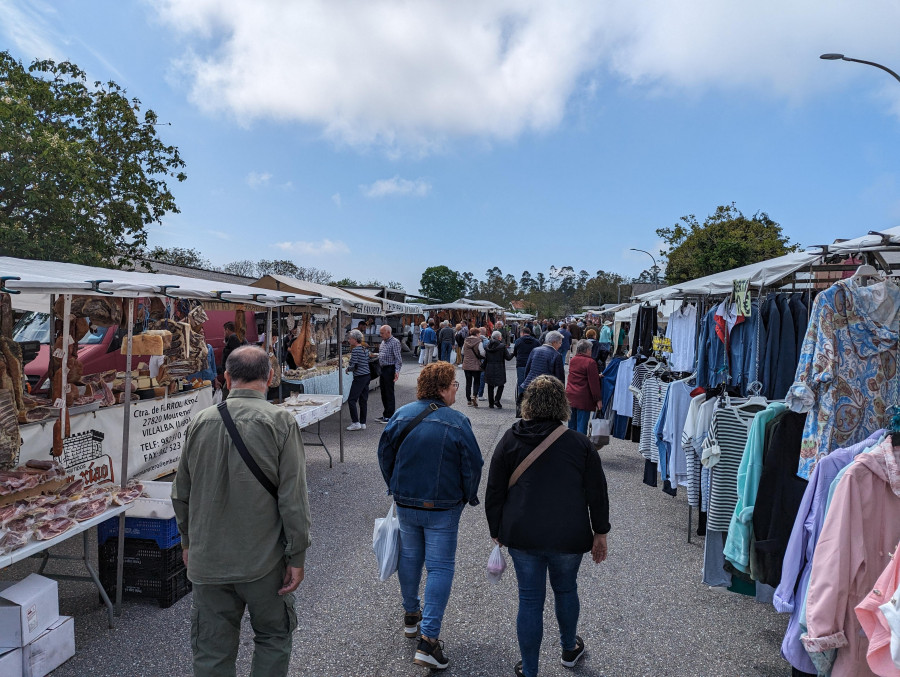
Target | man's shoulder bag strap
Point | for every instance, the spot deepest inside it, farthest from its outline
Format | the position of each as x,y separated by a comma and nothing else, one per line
432,407
534,455
242,450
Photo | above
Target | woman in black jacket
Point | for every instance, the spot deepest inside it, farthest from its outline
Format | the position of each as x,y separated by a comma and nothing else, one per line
495,359
556,511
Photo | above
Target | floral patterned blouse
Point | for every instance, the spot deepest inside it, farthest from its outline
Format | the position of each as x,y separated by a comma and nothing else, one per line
847,374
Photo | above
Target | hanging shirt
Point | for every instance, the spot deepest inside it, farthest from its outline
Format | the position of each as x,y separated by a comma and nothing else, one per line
847,374
691,450
652,395
678,403
737,545
682,330
623,398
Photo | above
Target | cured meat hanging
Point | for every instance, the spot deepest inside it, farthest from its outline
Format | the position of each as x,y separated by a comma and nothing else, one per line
10,441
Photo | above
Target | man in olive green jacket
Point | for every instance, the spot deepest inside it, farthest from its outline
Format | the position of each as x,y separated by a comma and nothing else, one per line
242,546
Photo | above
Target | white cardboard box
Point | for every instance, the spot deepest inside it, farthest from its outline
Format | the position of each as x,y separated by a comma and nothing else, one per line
11,663
157,504
27,608
53,648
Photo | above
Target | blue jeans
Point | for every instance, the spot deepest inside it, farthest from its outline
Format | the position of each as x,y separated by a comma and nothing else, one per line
520,376
531,571
579,420
481,386
446,349
427,537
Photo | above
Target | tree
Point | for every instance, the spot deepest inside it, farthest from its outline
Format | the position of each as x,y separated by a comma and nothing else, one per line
526,283
442,283
390,284
277,267
313,274
472,285
81,174
179,256
244,268
727,239
346,282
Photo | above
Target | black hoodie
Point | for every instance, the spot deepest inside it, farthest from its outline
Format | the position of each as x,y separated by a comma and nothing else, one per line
559,503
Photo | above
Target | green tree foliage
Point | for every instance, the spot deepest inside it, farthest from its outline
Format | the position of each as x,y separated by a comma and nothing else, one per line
179,256
497,288
346,282
440,282
726,239
244,268
82,173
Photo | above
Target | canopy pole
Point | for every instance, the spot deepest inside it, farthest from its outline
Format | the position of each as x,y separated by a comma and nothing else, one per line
280,353
120,560
64,359
340,333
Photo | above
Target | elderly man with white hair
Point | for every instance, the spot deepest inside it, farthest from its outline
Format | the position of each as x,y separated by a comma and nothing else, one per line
545,359
390,360
495,359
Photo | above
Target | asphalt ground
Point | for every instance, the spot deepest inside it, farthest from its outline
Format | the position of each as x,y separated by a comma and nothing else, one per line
644,611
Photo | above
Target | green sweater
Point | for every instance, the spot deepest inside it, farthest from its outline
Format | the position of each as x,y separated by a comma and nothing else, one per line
235,531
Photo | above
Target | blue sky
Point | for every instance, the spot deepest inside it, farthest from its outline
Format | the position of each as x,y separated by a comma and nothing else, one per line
376,138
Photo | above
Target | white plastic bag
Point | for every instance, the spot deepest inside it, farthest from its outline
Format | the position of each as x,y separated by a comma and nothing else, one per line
496,565
599,430
386,543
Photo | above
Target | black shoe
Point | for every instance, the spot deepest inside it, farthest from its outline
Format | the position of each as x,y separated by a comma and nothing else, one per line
431,655
519,672
498,405
570,658
382,419
411,624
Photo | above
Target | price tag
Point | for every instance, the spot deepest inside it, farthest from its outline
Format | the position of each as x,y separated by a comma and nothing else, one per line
662,344
59,403
742,297
58,353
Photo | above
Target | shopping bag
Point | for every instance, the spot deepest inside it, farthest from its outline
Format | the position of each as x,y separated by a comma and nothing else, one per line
599,431
496,565
386,543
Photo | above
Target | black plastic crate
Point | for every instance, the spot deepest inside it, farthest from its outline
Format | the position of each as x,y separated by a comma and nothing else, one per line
142,556
166,591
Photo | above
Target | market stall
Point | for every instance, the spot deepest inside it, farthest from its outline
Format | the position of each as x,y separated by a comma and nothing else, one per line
465,310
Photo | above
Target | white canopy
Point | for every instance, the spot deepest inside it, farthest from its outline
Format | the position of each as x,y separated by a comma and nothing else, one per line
37,280
355,303
768,273
466,304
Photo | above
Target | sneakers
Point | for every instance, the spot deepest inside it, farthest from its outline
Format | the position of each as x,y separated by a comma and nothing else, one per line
570,658
470,403
482,399
411,624
474,402
498,405
519,672
431,655
382,419
356,426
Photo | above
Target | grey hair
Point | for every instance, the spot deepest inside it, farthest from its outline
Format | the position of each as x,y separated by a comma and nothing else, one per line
497,336
388,327
248,364
545,399
553,337
583,347
356,335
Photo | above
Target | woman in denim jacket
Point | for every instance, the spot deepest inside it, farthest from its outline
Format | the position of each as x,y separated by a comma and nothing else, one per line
431,474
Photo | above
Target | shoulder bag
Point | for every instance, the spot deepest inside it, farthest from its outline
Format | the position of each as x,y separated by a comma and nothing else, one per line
535,454
481,360
268,485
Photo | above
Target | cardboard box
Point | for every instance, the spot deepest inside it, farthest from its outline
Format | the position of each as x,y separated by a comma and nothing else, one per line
27,608
53,648
11,663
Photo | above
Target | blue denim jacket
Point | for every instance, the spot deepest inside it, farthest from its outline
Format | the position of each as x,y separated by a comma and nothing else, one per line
711,353
439,464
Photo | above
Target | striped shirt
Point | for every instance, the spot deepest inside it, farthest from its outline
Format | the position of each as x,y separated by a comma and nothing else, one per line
652,395
359,362
728,433
389,353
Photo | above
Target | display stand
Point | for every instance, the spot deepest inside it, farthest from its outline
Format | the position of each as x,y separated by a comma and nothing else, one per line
42,549
307,416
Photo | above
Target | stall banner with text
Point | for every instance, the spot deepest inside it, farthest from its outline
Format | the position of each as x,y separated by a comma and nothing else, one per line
93,452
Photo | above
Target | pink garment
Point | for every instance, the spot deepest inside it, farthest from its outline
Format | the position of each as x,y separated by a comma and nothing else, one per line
875,624
860,532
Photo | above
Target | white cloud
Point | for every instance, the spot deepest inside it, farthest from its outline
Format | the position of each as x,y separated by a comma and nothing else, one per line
24,23
336,198
320,248
257,179
412,75
397,186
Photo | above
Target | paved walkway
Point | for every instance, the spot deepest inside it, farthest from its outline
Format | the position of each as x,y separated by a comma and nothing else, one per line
644,611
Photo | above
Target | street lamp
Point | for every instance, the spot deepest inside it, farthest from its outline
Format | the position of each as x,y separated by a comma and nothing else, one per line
841,57
655,267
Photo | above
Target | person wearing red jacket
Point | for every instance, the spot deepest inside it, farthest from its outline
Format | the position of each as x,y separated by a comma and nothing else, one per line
583,387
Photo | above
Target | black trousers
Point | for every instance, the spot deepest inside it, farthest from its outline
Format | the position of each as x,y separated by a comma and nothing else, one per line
473,377
387,389
359,392
492,398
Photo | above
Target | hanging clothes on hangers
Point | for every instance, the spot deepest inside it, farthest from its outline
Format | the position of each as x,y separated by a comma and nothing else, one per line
873,614
682,331
847,376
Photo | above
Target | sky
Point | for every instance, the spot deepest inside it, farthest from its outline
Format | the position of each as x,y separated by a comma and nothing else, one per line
375,138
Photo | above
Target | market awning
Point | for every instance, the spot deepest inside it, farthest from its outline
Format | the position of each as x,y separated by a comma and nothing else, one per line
389,306
36,280
349,302
466,304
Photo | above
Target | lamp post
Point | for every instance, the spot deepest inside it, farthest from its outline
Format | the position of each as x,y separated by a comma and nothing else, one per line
841,57
655,267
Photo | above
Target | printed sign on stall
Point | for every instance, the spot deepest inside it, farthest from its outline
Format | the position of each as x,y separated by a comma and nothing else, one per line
93,452
742,297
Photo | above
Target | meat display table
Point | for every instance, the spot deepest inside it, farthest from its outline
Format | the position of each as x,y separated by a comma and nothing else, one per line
307,415
41,549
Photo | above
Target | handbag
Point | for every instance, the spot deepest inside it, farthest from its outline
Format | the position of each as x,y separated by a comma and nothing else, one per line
374,367
386,543
599,431
481,360
268,485
535,454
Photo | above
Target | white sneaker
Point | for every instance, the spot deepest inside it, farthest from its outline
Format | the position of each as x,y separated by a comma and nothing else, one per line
362,426
355,426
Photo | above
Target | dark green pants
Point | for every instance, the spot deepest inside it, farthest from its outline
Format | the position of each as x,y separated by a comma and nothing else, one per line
216,614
